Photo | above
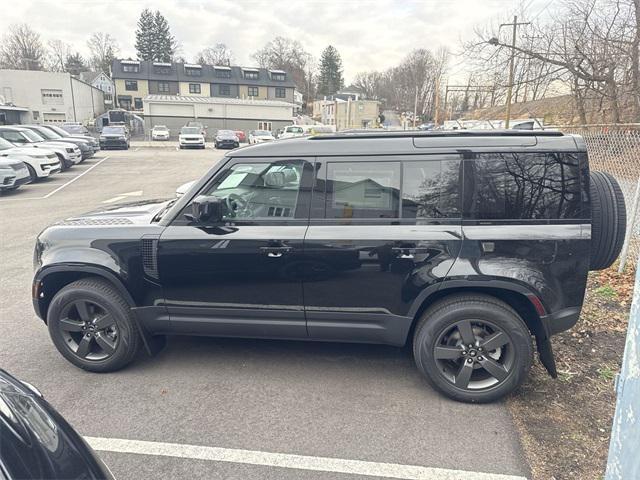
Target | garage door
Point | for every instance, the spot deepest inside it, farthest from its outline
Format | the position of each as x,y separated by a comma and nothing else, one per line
54,117
176,110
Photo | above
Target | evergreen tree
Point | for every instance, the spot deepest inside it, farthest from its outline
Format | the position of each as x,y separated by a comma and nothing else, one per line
145,43
75,64
164,42
330,79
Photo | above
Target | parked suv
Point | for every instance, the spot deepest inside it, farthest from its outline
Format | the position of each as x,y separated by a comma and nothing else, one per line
39,162
23,137
467,244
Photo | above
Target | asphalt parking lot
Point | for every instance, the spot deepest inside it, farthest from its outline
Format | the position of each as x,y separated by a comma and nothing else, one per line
229,408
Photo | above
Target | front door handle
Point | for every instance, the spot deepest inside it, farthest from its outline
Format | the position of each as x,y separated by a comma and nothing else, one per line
275,252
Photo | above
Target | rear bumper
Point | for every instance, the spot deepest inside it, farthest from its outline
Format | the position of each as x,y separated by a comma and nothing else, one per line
561,320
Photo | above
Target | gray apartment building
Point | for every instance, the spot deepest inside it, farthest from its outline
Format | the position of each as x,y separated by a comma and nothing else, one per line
135,79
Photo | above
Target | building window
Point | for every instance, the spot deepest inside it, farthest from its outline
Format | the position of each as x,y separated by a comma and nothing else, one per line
281,92
278,77
192,72
225,90
137,103
124,102
222,73
36,115
194,88
131,68
253,91
162,69
52,97
163,87
264,126
131,85
250,75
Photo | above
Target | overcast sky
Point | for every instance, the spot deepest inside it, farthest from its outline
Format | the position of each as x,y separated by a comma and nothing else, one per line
368,34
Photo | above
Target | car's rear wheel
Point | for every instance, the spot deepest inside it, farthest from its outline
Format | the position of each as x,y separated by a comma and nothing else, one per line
473,348
92,326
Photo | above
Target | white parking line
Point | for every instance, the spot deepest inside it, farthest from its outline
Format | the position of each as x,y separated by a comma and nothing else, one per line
75,178
283,460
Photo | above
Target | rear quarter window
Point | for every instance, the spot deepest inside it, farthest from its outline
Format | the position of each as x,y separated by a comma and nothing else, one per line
523,186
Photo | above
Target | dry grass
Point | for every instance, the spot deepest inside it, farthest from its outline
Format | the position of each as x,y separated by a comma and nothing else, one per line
565,423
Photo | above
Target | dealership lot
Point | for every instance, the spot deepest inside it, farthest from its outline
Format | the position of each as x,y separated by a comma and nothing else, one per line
331,410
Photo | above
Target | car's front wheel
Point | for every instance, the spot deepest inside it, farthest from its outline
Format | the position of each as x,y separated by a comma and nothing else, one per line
92,326
473,348
32,173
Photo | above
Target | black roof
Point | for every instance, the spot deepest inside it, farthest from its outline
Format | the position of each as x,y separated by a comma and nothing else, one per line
415,142
148,71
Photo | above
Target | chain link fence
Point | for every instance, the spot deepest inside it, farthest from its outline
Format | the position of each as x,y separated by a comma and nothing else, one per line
615,149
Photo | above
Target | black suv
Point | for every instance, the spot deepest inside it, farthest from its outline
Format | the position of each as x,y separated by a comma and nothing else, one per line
467,244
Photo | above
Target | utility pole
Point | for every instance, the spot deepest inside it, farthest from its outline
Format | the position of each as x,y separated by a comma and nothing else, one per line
437,101
415,108
515,25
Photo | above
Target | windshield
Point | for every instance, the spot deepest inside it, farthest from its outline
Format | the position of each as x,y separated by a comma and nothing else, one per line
4,145
160,128
113,130
261,132
74,128
226,132
190,130
294,130
58,130
32,136
48,134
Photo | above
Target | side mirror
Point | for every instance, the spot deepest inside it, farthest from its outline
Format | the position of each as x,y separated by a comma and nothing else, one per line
207,210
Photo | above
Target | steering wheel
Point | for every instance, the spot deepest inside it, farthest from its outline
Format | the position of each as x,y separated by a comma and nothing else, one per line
235,203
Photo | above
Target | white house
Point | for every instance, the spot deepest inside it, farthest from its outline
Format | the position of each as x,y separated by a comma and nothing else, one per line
101,81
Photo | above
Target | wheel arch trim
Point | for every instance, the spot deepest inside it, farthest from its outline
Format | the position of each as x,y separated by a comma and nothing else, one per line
84,270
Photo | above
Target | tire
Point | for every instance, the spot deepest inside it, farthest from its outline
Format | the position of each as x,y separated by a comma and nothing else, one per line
32,173
101,301
63,163
608,220
442,358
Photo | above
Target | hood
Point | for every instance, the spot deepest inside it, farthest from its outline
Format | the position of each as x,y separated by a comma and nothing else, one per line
50,144
264,137
27,152
134,213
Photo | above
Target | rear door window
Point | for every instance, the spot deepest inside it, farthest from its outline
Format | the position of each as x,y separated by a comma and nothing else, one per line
362,189
431,189
528,186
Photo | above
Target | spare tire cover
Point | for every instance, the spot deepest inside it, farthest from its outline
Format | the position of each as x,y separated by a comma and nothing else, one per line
608,220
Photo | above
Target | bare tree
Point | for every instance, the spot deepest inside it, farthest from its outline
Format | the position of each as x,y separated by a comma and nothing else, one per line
22,49
589,46
59,53
219,54
289,55
104,49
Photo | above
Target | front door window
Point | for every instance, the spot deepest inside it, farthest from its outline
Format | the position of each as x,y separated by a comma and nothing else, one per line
254,191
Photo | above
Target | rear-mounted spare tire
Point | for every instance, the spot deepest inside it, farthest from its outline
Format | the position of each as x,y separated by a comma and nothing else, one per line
608,220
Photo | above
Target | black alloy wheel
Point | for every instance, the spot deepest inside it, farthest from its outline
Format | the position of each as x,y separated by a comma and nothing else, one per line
92,325
89,331
473,347
474,354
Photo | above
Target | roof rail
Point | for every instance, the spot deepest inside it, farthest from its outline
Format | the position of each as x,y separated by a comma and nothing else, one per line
348,134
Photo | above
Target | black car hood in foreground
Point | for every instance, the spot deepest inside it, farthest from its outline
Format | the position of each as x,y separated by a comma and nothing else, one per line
134,213
36,442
